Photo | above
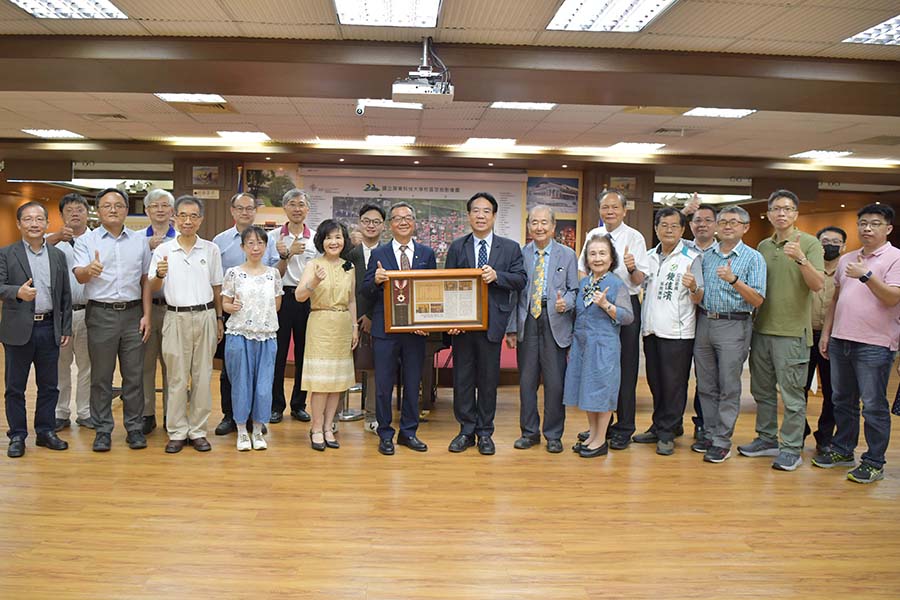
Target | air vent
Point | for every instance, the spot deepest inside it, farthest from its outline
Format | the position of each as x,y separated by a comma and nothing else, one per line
881,140
105,117
203,109
679,132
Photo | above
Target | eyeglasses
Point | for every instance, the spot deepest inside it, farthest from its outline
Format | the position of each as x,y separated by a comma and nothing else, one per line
482,211
186,217
244,209
831,241
786,210
156,206
731,223
869,224
30,220
367,221
295,205
669,226
707,221
403,219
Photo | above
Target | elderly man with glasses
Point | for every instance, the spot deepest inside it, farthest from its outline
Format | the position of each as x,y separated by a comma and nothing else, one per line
734,280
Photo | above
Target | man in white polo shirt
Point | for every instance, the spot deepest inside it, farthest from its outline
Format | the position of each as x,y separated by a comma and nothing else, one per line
189,271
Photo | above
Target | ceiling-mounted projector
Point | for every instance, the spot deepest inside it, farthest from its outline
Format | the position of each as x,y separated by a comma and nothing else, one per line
425,84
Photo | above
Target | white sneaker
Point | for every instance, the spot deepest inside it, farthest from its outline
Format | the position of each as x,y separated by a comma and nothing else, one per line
243,442
372,427
259,442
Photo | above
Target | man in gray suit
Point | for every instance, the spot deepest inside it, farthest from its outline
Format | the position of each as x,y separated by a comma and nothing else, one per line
540,328
37,320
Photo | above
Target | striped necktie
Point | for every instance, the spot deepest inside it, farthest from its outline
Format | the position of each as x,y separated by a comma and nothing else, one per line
482,253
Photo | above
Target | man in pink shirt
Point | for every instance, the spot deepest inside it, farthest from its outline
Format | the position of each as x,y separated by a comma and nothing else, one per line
860,338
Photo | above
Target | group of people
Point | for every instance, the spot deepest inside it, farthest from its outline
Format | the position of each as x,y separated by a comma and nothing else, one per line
167,297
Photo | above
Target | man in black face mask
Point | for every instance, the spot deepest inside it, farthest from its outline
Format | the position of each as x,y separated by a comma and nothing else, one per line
833,240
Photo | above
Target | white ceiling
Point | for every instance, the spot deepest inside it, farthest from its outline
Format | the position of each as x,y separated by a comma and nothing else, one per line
782,27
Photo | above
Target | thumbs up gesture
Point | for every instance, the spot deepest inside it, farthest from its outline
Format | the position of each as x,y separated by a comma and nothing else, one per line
236,303
725,273
380,274
792,248
560,302
320,273
162,267
95,268
856,269
628,260
26,292
689,281
600,297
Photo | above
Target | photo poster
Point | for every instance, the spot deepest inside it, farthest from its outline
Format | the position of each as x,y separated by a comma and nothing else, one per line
439,198
561,191
268,182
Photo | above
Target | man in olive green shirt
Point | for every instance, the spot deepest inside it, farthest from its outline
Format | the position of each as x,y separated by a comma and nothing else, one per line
782,334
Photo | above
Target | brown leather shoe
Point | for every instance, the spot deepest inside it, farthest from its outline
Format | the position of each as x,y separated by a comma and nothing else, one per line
201,445
175,446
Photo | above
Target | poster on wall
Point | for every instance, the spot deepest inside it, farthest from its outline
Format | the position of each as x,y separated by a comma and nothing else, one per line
268,182
439,198
626,185
205,176
559,193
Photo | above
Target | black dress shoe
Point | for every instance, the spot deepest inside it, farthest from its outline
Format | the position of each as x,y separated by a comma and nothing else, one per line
61,424
276,417
554,446
102,442
525,442
486,445
16,447
226,426
601,451
148,426
175,446
136,439
584,435
334,444
88,422
301,415
618,442
413,443
576,448
319,446
51,440
647,437
201,445
461,442
386,447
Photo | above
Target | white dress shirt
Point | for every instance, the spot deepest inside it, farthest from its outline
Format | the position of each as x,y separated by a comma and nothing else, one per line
623,237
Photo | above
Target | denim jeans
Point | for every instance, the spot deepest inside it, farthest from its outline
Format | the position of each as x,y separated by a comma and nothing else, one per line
251,368
860,372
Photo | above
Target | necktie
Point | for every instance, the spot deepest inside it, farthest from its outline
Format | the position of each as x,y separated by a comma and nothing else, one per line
404,260
482,253
537,292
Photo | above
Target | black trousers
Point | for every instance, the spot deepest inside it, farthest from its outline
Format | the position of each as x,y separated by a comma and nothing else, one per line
826,426
42,351
476,372
292,319
630,337
668,370
224,381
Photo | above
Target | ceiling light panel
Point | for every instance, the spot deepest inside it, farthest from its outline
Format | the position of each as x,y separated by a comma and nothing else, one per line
388,13
70,9
54,134
524,105
885,34
390,140
822,154
636,147
607,15
384,103
192,98
479,142
244,136
721,113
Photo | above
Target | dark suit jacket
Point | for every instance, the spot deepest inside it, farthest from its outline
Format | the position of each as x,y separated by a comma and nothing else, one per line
506,259
18,316
423,258
363,302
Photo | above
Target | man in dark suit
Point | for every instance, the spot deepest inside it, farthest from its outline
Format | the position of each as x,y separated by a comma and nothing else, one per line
405,254
37,320
541,330
371,224
476,354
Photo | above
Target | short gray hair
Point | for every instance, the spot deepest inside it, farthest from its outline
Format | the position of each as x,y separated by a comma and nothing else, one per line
401,205
742,214
538,207
156,194
295,193
188,199
606,192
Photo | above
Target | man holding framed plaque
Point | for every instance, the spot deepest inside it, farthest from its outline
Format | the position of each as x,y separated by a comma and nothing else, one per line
476,354
404,254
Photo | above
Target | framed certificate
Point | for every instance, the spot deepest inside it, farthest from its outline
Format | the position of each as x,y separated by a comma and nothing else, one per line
435,300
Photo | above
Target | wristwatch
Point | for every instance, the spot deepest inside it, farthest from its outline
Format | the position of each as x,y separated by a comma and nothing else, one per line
866,277
802,261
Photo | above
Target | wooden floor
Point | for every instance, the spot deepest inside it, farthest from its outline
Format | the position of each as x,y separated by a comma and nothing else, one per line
351,523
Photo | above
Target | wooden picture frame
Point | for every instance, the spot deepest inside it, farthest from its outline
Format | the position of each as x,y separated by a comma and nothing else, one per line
434,300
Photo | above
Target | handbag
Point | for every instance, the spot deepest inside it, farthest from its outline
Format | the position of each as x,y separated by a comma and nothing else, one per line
364,355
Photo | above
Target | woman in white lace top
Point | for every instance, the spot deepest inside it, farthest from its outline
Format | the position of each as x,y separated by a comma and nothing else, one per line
251,294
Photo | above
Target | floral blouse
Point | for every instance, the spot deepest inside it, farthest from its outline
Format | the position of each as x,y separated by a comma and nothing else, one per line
257,319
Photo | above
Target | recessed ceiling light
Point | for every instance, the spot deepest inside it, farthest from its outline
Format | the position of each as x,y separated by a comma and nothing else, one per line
887,34
636,147
843,206
524,105
415,162
721,113
192,98
388,13
822,154
244,136
477,142
268,158
606,15
390,140
340,160
490,164
565,166
70,9
383,103
54,134
877,202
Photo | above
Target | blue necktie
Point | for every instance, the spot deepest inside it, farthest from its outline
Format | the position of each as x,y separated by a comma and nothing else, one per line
482,253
